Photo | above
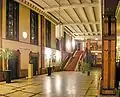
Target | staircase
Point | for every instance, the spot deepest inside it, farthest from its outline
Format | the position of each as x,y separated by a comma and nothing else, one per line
73,62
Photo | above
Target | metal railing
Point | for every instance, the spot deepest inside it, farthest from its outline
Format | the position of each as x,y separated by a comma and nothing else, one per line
65,61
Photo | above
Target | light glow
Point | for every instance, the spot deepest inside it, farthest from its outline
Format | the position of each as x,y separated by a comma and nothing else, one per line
68,45
58,55
96,53
48,53
83,46
58,84
82,38
59,31
24,35
48,86
73,43
96,38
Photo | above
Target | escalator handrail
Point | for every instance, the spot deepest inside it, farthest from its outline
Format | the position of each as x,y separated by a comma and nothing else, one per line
70,59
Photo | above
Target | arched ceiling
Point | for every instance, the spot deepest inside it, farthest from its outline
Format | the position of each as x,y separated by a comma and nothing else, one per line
81,17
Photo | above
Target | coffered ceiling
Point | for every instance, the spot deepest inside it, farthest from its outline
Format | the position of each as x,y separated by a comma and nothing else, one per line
82,18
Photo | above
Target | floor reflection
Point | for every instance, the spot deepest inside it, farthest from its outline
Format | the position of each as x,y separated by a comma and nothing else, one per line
60,84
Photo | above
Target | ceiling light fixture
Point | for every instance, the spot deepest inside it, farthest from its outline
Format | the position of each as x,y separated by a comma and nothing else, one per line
96,38
60,24
82,38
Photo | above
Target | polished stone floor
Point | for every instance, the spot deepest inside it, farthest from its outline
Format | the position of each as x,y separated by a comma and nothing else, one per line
60,84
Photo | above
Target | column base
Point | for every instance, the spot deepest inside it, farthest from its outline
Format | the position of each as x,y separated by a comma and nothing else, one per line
108,92
1,76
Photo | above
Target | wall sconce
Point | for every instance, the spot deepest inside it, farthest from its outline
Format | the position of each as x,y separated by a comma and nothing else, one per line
24,35
96,38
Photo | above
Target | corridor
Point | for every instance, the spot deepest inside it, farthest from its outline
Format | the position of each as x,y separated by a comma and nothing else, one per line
60,84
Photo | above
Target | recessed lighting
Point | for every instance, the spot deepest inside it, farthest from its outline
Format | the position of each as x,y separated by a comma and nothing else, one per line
82,38
96,38
96,53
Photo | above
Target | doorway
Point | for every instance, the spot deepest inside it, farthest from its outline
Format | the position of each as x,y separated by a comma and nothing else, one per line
34,59
13,65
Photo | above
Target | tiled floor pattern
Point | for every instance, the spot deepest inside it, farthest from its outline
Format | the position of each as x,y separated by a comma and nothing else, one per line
60,84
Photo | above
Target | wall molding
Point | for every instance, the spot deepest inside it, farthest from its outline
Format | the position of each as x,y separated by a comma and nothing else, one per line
38,9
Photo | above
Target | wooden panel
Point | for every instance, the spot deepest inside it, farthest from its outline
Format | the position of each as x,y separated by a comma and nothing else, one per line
105,26
109,47
113,28
112,65
108,92
0,31
42,40
0,23
53,37
105,72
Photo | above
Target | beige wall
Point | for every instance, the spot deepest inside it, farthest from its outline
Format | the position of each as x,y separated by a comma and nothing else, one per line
3,18
53,39
24,44
68,38
24,23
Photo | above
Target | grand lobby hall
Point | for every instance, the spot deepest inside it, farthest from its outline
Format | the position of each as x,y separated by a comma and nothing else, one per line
59,48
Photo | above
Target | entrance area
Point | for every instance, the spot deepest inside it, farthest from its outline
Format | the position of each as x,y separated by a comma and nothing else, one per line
13,65
34,60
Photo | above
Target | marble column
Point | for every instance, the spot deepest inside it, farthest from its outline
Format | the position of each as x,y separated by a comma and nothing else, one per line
1,75
109,55
42,42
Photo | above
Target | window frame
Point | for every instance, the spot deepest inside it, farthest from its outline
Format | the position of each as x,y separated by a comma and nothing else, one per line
48,33
12,20
33,27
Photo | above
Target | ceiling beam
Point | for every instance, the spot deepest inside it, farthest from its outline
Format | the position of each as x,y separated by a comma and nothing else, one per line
79,23
77,16
86,32
100,15
87,18
62,7
79,19
46,3
37,8
57,2
88,37
66,22
68,30
95,18
71,19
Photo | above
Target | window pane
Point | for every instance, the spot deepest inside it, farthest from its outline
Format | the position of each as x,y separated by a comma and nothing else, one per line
33,27
12,20
48,33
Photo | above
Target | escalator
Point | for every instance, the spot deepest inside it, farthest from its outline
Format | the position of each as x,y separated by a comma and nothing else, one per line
66,60
73,62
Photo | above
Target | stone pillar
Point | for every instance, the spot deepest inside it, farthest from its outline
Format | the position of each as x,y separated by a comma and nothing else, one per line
109,54
0,37
42,42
